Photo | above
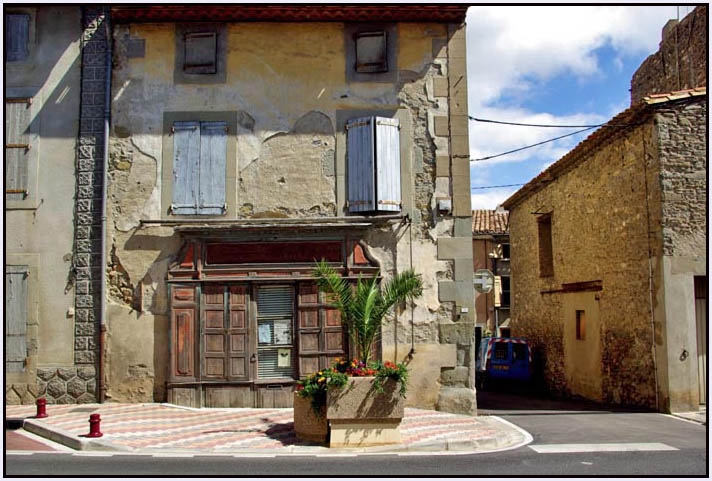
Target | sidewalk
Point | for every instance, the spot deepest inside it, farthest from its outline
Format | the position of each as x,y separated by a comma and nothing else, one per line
162,428
697,416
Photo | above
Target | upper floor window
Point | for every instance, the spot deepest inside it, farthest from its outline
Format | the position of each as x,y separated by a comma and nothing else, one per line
371,52
200,53
17,147
546,254
373,164
199,158
17,37
16,294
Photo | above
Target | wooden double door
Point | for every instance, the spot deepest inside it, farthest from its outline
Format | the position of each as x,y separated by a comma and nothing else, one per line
249,337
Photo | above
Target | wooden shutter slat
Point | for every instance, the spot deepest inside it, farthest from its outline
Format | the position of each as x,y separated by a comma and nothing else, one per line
238,367
388,181
16,317
186,158
360,162
213,153
183,332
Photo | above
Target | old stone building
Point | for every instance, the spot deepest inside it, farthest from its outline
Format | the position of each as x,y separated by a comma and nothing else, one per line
231,147
609,259
248,142
609,265
490,251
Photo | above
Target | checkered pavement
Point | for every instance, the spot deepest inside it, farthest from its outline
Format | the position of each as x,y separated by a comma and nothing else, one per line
151,427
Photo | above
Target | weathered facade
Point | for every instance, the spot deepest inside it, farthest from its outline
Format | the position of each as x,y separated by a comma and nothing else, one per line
490,251
237,135
46,341
609,246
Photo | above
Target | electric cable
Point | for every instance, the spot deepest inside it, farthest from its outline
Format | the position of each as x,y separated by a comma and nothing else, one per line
533,145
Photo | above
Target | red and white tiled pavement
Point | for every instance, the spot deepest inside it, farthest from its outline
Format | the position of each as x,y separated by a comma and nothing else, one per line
150,427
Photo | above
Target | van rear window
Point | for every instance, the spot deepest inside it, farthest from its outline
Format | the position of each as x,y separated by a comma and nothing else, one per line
500,350
519,351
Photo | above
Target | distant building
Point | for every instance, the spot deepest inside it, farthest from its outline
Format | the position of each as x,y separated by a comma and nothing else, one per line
490,251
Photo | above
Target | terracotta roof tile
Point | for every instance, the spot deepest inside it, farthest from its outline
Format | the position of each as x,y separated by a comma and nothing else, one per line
490,222
290,13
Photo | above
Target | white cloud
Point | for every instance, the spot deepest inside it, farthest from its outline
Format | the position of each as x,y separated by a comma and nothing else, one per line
514,50
510,46
491,199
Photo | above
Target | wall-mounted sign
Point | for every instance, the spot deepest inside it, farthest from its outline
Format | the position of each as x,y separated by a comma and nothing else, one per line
484,281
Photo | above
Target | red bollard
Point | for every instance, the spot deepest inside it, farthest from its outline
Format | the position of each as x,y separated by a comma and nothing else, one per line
94,426
41,408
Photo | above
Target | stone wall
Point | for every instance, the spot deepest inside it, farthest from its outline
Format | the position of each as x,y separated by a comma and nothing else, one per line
681,61
599,233
682,143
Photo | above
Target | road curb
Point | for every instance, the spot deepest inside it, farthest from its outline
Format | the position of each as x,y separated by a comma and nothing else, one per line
68,439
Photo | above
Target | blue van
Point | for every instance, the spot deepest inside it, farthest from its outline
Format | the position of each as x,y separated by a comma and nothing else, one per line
503,358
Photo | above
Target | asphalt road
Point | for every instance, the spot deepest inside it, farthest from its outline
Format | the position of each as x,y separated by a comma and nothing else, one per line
679,448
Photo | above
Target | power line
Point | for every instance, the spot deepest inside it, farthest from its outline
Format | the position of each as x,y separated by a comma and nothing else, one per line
533,145
502,122
495,186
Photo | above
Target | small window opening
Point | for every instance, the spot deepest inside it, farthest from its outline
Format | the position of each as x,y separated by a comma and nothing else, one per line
546,254
17,29
371,52
580,325
200,53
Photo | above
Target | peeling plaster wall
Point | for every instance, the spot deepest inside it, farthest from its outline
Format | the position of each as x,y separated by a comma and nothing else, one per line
287,84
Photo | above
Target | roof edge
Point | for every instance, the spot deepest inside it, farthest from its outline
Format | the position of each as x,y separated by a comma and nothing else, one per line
433,13
633,116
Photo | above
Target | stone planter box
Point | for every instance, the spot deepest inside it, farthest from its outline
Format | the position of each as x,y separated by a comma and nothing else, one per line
360,416
308,425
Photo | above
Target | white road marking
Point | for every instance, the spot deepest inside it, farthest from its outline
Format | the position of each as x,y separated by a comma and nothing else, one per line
592,448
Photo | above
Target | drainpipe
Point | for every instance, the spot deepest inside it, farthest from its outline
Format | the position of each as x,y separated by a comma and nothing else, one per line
107,115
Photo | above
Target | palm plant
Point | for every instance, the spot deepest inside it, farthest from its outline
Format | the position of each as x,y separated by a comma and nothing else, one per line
364,306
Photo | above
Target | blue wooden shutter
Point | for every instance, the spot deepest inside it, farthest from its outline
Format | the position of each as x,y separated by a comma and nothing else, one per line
16,318
17,138
186,158
360,164
213,153
17,34
388,180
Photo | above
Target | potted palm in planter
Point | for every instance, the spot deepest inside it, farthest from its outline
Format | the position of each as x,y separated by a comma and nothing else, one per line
361,399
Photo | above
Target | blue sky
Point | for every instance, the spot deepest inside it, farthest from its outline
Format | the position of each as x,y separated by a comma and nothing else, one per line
554,65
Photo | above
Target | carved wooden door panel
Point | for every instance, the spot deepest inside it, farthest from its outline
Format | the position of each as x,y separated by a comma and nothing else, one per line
225,332
320,332
215,357
238,355
183,328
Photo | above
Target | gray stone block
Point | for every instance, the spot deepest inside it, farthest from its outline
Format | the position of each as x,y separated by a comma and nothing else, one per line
454,247
461,333
458,400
